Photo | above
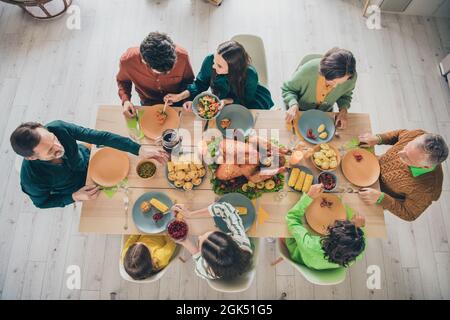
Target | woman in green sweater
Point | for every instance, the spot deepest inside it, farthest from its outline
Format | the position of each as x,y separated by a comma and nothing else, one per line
343,245
320,82
231,77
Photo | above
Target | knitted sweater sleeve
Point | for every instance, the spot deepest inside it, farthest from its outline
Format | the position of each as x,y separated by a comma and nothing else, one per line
391,137
411,207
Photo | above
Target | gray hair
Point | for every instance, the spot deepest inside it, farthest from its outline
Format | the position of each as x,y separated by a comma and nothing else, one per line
435,147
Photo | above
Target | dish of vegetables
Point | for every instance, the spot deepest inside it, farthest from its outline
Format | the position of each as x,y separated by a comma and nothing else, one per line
247,188
207,106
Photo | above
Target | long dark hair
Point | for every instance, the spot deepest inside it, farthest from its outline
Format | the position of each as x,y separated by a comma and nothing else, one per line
343,243
138,262
238,61
224,256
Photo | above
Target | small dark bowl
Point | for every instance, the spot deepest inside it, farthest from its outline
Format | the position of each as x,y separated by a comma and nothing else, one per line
334,178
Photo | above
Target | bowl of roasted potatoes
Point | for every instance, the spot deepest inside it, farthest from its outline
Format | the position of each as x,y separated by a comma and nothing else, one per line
185,173
325,157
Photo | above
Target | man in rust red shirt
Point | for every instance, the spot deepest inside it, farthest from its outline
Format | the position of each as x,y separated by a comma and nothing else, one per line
157,68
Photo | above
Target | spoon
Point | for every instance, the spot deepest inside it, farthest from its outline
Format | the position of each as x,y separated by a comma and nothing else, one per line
165,106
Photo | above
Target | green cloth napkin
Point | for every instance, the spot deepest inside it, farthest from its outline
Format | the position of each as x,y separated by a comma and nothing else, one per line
132,124
354,143
111,191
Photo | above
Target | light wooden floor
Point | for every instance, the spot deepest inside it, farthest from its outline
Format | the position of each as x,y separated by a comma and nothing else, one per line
49,72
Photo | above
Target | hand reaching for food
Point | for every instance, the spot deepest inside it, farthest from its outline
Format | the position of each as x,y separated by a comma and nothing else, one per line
341,119
359,220
315,191
89,192
225,102
156,154
187,106
291,113
172,98
369,195
180,209
368,140
128,109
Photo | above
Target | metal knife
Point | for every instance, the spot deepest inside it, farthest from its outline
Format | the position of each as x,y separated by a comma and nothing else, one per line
138,127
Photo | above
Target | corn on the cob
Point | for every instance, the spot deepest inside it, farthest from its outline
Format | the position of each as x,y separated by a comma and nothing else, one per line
242,210
293,178
308,183
301,179
159,205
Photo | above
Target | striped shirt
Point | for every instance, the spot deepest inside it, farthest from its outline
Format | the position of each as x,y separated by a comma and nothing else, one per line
237,232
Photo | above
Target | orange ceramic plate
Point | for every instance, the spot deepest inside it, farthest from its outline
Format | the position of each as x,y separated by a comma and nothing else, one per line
149,121
319,218
108,167
361,173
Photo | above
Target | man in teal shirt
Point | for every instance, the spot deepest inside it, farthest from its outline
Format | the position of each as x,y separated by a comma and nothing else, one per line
343,245
54,169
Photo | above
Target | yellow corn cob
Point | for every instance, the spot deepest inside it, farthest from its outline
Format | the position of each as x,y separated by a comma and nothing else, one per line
308,183
301,179
242,210
159,205
294,176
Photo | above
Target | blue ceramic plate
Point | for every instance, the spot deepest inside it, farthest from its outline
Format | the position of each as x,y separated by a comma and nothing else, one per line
195,103
144,221
306,170
237,200
241,118
312,119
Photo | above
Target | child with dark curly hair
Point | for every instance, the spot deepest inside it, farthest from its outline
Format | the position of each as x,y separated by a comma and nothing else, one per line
342,246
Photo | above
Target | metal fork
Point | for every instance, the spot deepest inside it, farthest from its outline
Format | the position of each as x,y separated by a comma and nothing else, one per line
126,202
256,118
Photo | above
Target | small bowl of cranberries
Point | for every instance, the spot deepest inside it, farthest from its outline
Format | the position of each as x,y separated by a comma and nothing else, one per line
328,180
177,229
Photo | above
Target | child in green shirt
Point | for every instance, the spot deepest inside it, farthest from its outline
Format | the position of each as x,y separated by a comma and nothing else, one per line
343,245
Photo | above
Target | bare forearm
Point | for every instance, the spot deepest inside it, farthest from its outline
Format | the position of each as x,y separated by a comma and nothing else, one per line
185,94
201,213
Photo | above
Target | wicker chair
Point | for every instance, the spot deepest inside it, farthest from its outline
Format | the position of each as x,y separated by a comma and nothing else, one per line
42,9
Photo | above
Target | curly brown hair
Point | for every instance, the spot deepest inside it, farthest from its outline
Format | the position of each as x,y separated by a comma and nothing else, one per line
343,243
158,51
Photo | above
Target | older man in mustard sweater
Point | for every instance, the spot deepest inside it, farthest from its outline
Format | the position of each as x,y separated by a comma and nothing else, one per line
411,171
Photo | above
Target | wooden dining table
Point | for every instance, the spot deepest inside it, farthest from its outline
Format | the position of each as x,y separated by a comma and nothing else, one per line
106,215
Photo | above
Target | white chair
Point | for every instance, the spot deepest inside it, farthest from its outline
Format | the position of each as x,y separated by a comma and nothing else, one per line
18,164
308,58
318,277
254,46
153,278
242,282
